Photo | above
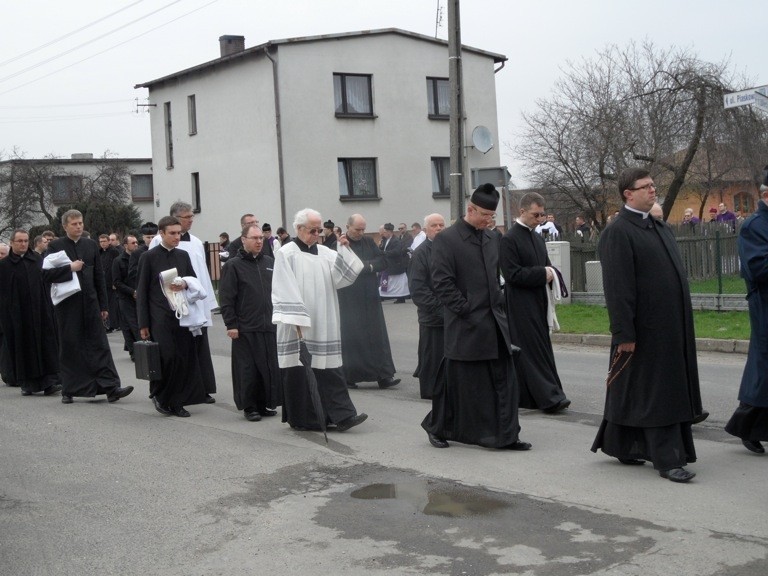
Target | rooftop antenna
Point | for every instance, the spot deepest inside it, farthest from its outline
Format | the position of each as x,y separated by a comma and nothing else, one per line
438,17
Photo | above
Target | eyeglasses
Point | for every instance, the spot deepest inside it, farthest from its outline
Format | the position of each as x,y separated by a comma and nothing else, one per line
644,187
189,217
313,230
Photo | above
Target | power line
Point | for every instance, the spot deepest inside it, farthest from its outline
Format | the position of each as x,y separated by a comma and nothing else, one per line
68,34
86,43
65,118
107,49
71,105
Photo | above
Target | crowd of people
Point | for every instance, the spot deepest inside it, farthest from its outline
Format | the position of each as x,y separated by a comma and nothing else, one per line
305,318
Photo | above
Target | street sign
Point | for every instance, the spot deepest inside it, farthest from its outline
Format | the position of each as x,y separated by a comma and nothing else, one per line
743,97
761,101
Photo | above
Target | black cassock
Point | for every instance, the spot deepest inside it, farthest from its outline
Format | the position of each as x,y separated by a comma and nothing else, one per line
85,360
125,287
27,322
430,313
365,349
108,257
523,262
181,383
245,297
650,405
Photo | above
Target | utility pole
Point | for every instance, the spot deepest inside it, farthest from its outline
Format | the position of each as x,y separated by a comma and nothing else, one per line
457,110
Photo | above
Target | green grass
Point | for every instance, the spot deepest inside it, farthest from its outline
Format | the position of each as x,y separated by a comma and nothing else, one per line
731,285
585,319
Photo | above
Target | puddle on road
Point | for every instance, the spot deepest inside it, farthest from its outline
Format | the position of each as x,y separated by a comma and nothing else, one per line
453,503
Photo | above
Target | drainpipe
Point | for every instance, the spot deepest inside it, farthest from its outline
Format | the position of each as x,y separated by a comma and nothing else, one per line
278,131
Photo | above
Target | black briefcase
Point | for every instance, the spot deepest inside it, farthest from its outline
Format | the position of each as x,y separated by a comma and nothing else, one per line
147,360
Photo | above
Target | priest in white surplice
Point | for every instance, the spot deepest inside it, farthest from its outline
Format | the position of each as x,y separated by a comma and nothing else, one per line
192,245
304,284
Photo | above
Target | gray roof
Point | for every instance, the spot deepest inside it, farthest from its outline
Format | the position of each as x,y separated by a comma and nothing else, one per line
255,50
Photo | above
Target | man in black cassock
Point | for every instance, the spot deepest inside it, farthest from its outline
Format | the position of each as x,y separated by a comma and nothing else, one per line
6,369
148,232
652,394
367,356
26,321
181,382
108,254
125,287
527,272
85,360
245,296
479,400
429,309
750,420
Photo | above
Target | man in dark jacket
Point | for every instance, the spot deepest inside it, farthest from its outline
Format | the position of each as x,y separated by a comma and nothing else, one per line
750,420
246,308
126,293
107,255
481,395
652,391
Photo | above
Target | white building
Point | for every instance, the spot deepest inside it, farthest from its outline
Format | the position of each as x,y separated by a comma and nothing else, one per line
342,123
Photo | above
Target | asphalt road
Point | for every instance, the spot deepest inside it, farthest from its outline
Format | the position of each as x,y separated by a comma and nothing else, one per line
98,488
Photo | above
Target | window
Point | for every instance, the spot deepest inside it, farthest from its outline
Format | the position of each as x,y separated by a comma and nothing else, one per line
352,95
192,114
743,202
438,98
357,178
196,192
168,135
141,188
65,188
441,179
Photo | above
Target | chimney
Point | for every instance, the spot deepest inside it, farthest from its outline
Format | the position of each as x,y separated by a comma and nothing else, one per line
231,45
82,156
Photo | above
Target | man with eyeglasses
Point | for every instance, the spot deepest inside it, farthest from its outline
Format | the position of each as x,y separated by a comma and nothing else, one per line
126,293
480,394
192,245
528,275
245,292
652,391
30,351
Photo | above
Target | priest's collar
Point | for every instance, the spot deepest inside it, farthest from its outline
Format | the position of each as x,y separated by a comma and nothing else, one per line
167,248
644,214
185,237
524,225
304,248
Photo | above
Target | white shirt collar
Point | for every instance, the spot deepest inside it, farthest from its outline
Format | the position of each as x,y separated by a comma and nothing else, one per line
636,211
524,225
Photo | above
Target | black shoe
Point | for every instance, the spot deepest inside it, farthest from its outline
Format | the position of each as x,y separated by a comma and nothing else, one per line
520,446
436,441
26,393
400,301
677,475
348,423
388,382
160,408
753,446
118,393
559,407
252,415
267,413
180,412
66,399
52,389
699,418
299,428
631,461
210,399
352,386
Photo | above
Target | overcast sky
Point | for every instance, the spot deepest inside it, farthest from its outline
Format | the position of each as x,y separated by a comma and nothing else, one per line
76,94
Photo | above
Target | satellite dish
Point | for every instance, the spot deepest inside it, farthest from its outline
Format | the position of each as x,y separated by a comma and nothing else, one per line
482,139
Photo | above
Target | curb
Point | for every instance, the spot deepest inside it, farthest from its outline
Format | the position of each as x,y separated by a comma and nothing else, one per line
702,344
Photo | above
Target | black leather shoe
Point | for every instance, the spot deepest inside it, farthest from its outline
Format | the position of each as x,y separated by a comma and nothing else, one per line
677,475
66,399
52,389
252,416
267,413
348,423
26,393
388,382
559,407
160,408
352,386
180,412
436,441
699,418
210,399
119,393
631,461
753,446
520,446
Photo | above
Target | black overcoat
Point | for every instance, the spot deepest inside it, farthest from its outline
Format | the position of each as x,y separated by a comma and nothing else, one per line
395,256
523,263
753,252
646,292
